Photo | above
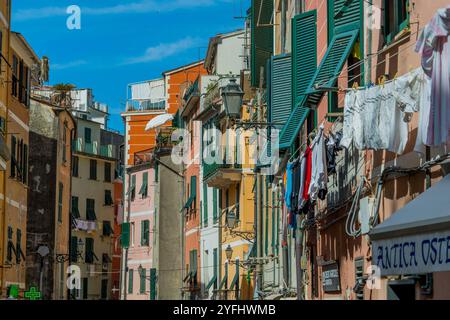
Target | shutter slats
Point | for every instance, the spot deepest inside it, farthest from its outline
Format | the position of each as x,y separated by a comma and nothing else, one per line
281,89
331,65
261,36
304,64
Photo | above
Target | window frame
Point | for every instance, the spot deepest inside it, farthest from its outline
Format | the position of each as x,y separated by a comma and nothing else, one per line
390,32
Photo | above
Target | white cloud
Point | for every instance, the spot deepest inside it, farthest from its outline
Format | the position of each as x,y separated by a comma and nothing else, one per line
143,6
67,65
164,50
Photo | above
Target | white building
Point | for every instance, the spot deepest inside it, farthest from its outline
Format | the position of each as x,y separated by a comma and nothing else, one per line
224,58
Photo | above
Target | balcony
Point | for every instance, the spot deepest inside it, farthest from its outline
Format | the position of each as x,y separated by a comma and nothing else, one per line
145,105
224,174
92,148
164,139
191,98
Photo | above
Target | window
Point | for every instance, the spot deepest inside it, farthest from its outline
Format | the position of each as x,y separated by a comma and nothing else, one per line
145,233
144,187
93,169
10,245
108,198
21,80
205,205
74,249
238,200
107,172
143,280
156,172
130,281
85,288
74,208
215,205
107,229
75,164
133,187
104,292
89,254
87,135
132,233
90,210
396,18
60,201
25,164
19,252
153,284
13,156
15,70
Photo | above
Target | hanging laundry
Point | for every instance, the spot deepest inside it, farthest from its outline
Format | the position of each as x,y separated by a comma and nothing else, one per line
289,180
378,117
333,146
434,47
424,115
295,185
308,168
301,202
319,177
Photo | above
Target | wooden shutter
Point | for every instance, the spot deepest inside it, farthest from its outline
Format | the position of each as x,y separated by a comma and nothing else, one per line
331,66
74,249
281,89
215,205
261,37
304,64
125,235
205,204
130,281
153,284
345,15
143,279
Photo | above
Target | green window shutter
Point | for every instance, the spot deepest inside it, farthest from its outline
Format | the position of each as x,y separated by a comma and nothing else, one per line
13,156
85,288
266,229
89,254
74,249
130,281
281,89
205,204
125,235
144,188
133,187
75,211
261,37
193,186
215,264
143,279
331,65
90,210
304,53
304,64
215,205
153,284
273,223
347,15
145,232
60,201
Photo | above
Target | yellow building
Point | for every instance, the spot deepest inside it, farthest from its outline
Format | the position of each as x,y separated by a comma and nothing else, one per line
233,175
5,14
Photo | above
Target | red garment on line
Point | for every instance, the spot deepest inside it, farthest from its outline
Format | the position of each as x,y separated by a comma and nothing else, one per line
308,171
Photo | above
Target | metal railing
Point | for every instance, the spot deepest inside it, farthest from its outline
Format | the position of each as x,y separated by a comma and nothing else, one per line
92,148
228,156
145,105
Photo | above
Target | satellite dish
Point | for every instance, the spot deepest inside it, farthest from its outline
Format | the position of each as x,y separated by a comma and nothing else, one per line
43,251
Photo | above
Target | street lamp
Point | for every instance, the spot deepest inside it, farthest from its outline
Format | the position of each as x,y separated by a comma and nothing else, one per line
231,219
229,252
232,96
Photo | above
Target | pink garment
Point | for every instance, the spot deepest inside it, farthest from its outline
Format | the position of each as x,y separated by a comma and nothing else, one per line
434,46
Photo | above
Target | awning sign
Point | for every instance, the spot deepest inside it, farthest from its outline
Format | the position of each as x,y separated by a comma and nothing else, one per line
415,254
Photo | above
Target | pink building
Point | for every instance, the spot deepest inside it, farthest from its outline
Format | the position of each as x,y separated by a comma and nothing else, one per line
141,207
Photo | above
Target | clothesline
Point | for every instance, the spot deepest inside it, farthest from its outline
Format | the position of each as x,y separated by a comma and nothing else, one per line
369,56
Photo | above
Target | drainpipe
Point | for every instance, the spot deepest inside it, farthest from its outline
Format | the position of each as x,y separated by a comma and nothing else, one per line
125,254
259,202
3,224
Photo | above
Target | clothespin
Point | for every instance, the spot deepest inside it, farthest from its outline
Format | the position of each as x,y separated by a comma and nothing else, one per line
382,80
371,84
355,85
396,75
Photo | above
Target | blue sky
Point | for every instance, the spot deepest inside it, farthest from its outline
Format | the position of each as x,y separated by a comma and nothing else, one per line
122,42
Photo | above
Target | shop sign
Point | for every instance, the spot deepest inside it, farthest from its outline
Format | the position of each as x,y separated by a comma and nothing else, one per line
415,254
